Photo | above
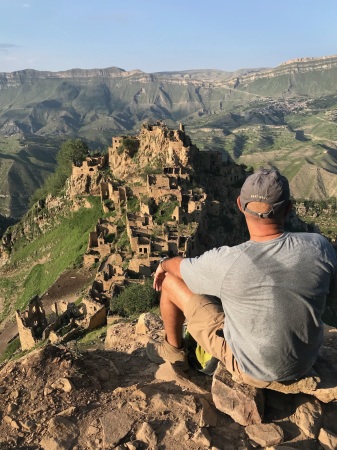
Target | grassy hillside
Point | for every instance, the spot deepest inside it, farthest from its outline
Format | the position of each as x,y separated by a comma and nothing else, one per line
297,138
36,264
24,165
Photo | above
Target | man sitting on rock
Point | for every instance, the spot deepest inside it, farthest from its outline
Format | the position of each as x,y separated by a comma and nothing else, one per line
273,291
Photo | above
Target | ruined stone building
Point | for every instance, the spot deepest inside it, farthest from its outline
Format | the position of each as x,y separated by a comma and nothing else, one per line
31,323
67,321
87,176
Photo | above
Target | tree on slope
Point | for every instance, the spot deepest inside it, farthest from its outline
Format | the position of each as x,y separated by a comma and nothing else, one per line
72,151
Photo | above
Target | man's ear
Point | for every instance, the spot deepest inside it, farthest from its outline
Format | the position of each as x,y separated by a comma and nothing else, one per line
238,201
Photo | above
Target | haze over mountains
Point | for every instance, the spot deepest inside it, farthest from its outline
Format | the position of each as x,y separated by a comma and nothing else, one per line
285,116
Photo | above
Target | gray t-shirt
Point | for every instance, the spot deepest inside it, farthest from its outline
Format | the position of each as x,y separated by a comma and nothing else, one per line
273,295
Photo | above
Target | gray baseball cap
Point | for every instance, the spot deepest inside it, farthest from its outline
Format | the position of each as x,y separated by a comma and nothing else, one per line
265,186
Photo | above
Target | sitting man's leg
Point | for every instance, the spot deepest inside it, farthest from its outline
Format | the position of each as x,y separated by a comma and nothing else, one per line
204,316
174,295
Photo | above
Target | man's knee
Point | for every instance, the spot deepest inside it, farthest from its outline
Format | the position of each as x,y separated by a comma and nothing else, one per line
176,290
172,283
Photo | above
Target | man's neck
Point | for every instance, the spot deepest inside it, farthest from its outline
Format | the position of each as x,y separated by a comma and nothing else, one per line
265,233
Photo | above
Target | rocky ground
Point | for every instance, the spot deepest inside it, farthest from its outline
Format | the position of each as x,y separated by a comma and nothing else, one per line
62,398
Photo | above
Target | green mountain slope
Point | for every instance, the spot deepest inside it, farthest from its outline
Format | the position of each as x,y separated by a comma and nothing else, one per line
50,240
24,164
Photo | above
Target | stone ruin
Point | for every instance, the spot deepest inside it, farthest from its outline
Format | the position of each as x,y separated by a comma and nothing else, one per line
67,322
31,323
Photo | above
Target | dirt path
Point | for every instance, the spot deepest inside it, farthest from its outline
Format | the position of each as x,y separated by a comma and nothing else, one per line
69,286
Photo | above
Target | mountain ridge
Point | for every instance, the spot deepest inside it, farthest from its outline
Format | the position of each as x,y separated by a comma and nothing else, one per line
296,65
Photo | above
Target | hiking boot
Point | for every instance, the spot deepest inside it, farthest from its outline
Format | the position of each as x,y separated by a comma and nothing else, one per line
161,352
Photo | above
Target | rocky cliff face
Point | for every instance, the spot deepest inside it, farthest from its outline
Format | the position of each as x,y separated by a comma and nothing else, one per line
15,79
291,67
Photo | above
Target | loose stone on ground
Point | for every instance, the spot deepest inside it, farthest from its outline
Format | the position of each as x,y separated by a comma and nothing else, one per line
265,434
245,404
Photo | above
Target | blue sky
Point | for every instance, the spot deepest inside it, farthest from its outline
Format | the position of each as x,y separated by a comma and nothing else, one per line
163,36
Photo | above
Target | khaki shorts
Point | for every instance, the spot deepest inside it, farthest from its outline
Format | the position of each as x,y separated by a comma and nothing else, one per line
205,322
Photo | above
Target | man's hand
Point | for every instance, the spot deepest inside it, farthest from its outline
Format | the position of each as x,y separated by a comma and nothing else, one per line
159,277
166,265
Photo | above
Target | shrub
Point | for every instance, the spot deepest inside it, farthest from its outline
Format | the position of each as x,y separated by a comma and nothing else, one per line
123,241
135,299
130,145
133,204
71,152
110,238
164,211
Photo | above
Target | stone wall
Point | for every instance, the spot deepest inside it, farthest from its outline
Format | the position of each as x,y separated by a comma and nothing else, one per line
95,314
31,323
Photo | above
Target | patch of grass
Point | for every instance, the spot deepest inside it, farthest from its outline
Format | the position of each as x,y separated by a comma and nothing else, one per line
164,211
33,283
133,204
91,337
129,145
123,241
292,169
8,290
11,349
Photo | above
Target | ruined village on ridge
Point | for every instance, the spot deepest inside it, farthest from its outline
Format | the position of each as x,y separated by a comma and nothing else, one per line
198,185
